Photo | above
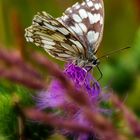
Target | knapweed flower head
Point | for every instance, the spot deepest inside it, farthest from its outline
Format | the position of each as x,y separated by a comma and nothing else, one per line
55,95
56,98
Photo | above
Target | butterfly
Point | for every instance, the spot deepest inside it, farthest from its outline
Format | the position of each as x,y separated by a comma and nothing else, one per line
74,37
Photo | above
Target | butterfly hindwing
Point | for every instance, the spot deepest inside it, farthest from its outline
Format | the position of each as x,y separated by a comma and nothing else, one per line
54,37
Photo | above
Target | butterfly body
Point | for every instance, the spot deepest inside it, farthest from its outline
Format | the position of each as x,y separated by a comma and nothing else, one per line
73,37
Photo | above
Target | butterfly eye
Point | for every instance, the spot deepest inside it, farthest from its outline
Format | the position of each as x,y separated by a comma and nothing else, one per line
96,62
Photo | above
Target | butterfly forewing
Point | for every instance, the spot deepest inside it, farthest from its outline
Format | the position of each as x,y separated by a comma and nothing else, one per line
54,37
86,21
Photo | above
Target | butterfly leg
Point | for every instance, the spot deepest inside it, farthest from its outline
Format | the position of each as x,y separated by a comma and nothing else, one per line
101,74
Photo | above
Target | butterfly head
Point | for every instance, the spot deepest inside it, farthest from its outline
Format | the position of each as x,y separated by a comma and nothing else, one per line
88,63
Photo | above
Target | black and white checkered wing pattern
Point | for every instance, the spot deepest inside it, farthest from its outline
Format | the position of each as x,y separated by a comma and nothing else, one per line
86,21
54,37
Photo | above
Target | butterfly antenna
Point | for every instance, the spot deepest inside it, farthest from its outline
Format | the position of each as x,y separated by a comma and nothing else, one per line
101,74
113,52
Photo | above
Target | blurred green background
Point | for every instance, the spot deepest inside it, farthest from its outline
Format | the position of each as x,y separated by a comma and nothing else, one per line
122,29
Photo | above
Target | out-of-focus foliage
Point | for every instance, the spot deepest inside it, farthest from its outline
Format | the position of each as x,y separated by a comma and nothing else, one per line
120,70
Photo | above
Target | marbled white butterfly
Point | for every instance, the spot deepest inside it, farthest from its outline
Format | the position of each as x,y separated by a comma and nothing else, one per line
73,37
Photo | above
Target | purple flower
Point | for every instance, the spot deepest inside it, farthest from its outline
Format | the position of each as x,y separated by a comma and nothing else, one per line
56,98
55,95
